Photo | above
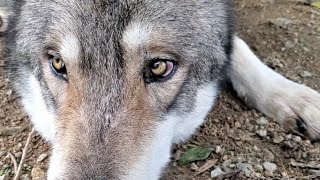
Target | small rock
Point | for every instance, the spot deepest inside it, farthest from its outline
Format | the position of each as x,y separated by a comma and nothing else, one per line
268,173
237,124
238,159
216,172
268,155
256,148
42,157
278,139
288,137
262,121
296,139
268,166
287,144
245,168
37,173
306,74
218,150
225,157
261,132
18,154
232,166
284,174
258,175
289,45
225,165
282,22
258,168
25,177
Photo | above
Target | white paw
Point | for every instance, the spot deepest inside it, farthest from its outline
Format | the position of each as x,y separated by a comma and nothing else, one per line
299,110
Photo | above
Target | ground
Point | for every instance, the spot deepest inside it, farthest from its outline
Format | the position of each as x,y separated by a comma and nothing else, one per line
286,35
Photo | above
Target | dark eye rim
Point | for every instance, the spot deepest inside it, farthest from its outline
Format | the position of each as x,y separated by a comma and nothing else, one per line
63,73
149,77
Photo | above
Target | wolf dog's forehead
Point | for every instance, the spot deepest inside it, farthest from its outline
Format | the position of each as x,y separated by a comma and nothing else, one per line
113,16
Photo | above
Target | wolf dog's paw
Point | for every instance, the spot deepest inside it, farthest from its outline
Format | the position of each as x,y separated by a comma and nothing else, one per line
302,111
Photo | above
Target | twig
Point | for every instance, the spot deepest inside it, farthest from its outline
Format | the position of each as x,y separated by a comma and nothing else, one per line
24,155
209,164
14,161
307,177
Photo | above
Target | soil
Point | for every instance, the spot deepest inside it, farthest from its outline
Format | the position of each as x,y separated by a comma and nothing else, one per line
286,35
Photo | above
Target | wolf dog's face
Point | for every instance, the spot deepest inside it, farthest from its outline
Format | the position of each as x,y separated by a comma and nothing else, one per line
112,84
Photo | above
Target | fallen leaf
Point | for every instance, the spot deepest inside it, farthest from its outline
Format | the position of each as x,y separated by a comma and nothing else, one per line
195,154
316,4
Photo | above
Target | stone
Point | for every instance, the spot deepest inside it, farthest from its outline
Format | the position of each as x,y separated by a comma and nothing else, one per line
218,150
268,166
246,168
262,121
258,168
216,172
261,132
42,157
278,139
305,74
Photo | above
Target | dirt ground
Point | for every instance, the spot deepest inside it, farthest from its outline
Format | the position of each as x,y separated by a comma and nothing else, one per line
286,35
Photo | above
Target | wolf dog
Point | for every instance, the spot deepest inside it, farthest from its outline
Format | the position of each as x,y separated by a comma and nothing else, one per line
113,84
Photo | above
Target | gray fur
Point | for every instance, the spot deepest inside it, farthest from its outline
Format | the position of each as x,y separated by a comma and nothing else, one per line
197,32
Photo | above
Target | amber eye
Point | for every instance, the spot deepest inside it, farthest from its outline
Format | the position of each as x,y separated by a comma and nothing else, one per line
57,65
159,70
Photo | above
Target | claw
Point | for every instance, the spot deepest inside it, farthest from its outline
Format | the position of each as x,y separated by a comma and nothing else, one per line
302,126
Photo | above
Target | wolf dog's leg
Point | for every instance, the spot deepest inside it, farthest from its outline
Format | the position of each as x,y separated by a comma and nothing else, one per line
293,105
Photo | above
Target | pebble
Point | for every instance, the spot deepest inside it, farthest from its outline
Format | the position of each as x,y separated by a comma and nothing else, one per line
261,132
288,145
218,150
296,139
42,157
268,173
268,166
289,45
25,177
258,175
284,174
216,172
306,74
278,139
246,168
258,168
37,172
288,137
256,148
282,22
237,124
268,155
226,164
18,154
238,159
225,157
262,121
